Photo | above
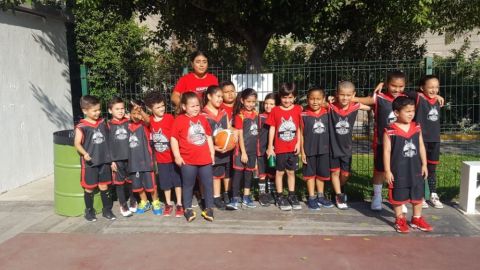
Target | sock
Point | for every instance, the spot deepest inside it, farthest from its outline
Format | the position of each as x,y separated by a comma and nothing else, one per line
106,199
320,195
377,189
261,187
271,186
417,216
121,194
312,197
216,196
88,197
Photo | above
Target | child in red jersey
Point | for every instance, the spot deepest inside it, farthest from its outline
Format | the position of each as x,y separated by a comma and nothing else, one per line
316,148
218,120
91,143
342,116
266,174
194,153
118,140
160,124
405,163
229,97
245,153
284,143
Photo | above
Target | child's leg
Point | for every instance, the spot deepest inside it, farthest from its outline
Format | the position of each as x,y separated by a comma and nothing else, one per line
291,180
189,177
262,185
248,176
143,196
237,178
226,184
120,189
168,196
154,194
217,187
417,209
432,177
105,195
88,198
205,174
335,175
397,208
343,179
279,181
178,194
320,184
310,187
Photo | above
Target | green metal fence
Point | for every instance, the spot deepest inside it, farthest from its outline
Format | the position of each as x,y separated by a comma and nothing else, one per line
460,117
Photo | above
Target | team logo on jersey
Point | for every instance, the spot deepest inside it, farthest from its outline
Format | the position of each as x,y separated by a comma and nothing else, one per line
121,133
98,137
218,128
318,127
160,141
287,130
391,118
433,114
409,149
254,129
342,127
196,133
133,141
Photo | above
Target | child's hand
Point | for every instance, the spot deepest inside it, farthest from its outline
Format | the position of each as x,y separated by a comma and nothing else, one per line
213,159
218,149
244,158
379,88
87,157
270,152
389,178
424,172
114,167
440,100
331,99
304,158
179,161
297,148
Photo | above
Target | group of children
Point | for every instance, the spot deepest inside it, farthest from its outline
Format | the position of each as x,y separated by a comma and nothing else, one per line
130,151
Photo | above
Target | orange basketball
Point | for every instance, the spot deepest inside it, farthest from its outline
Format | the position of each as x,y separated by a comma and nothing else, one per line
225,139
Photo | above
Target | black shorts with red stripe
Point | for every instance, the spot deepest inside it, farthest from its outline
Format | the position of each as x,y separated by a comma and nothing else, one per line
91,177
286,161
120,177
317,167
143,181
221,171
240,166
378,158
433,152
342,164
403,195
263,169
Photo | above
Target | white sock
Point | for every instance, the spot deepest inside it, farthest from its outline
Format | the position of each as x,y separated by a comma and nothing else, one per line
377,189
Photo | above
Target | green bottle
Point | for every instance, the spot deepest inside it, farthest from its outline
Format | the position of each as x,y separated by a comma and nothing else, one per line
272,162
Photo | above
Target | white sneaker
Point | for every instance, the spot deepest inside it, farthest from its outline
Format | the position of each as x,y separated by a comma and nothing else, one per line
376,204
435,201
424,204
341,201
404,209
125,212
133,206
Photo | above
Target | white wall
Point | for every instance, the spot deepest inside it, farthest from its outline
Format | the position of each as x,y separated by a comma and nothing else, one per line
35,98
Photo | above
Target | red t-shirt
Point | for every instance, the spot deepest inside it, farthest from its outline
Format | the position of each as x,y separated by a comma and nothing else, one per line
286,124
228,110
191,134
160,132
190,82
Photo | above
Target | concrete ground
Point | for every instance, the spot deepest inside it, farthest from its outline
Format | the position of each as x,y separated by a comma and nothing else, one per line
32,235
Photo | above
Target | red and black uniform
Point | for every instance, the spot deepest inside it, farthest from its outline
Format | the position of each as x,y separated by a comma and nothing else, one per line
168,172
140,161
263,169
229,111
341,124
247,123
316,144
192,136
95,142
384,116
118,140
286,123
190,82
219,122
405,164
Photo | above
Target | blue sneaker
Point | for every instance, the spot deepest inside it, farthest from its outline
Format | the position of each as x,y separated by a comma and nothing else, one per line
313,205
247,201
143,207
324,202
157,208
234,203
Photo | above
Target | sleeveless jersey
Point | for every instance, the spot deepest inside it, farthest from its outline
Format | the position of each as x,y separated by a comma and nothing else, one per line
247,123
140,153
160,132
315,132
262,134
340,127
428,116
383,114
95,142
217,123
118,138
405,161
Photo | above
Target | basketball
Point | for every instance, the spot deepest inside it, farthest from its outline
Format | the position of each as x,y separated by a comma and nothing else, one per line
225,139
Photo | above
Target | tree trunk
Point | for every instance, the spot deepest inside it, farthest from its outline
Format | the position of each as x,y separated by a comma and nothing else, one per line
256,47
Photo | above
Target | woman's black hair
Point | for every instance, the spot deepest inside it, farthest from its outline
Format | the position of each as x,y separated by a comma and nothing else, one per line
211,90
247,92
184,99
195,54
154,97
287,89
424,79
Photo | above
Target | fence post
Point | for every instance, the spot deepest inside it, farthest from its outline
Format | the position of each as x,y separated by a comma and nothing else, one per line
83,79
428,65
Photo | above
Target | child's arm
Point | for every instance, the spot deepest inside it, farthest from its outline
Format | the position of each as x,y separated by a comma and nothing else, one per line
77,142
302,147
423,156
299,142
365,107
176,152
241,143
212,148
271,136
440,100
387,151
364,100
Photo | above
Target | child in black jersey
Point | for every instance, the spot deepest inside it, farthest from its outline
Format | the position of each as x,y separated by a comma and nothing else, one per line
118,140
245,153
405,163
91,143
316,148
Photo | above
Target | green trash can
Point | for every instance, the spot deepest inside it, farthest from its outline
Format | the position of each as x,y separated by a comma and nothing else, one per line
68,191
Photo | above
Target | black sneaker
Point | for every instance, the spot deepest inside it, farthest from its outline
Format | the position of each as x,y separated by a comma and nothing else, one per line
292,198
263,199
341,201
107,213
190,215
283,203
208,214
272,197
90,214
226,198
219,204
